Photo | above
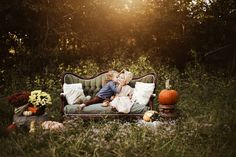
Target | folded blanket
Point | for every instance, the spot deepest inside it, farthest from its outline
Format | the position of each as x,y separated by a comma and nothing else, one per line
122,104
122,101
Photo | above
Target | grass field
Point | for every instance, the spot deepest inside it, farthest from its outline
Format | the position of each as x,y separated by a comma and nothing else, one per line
205,127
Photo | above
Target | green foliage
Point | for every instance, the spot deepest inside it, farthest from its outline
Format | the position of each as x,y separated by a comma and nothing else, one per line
139,66
85,68
92,29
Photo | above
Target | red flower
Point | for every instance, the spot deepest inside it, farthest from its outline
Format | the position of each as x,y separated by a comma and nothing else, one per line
19,99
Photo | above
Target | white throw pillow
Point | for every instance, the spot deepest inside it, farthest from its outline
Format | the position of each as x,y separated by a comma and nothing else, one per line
142,92
72,92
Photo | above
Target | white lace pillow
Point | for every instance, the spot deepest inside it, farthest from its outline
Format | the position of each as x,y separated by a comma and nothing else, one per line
143,92
72,92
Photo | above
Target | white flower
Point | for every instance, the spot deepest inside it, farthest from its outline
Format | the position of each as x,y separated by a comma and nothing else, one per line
39,98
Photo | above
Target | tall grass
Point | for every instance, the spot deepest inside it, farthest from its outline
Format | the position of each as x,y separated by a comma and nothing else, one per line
205,126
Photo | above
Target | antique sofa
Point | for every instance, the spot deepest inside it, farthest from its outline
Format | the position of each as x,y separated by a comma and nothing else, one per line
91,86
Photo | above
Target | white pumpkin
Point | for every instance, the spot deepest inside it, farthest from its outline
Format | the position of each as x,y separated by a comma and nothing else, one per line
27,113
150,116
52,126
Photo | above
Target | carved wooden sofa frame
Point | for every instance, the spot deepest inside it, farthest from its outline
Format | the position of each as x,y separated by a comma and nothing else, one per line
92,85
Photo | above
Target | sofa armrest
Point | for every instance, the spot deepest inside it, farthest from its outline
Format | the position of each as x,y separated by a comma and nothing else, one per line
63,102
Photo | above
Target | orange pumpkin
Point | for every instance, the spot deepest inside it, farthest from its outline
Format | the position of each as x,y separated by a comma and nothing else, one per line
168,97
11,128
32,109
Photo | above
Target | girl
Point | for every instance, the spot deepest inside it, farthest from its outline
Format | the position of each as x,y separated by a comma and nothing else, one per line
110,88
122,100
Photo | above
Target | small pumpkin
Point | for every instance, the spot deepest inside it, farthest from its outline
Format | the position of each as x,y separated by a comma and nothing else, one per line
12,127
150,116
32,109
168,96
27,113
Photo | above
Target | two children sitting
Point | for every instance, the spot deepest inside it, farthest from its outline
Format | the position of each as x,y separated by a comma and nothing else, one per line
115,92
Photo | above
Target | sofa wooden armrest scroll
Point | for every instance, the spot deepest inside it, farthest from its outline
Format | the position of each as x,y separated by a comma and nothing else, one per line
92,85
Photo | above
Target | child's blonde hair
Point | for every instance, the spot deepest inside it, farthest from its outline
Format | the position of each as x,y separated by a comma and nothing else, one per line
110,75
127,76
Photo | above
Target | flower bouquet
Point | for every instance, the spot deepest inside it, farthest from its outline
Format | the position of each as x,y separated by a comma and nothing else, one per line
30,103
38,101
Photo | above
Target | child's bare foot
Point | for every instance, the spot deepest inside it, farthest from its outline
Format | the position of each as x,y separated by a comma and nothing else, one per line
105,103
81,106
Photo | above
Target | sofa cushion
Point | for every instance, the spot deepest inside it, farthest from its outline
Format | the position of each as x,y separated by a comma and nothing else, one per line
99,109
95,108
138,108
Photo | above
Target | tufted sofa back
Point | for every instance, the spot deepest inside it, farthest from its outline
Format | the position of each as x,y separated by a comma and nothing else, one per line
92,85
